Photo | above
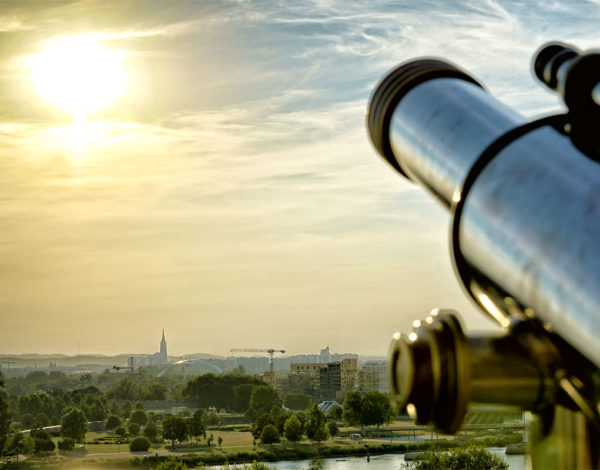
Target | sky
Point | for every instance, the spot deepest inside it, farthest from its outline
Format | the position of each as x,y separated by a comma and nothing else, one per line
229,194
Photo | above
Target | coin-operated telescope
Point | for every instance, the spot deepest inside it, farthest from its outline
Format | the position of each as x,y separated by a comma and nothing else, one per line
524,199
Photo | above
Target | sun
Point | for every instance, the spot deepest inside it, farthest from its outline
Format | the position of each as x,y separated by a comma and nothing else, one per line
78,74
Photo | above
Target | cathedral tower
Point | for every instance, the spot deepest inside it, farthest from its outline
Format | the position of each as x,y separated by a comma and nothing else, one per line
163,348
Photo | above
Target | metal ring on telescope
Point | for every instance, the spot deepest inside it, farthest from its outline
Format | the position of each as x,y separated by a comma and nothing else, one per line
392,89
464,272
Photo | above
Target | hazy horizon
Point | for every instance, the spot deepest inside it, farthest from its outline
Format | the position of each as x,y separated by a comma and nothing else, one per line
228,192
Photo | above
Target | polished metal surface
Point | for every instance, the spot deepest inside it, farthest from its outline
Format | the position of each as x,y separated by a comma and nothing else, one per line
440,128
531,222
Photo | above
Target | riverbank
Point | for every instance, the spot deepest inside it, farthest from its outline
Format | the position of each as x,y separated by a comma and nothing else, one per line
337,448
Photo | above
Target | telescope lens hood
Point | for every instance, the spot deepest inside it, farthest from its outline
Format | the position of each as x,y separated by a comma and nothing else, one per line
393,88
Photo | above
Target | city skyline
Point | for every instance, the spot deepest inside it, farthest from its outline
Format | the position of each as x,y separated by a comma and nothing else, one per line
204,167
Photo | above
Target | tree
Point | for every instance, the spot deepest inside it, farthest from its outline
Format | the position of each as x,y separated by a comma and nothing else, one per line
242,394
353,409
139,444
175,428
297,401
376,409
333,429
259,424
316,425
126,410
262,400
269,434
151,431
335,412
210,439
133,429
5,418
292,430
139,406
121,431
220,441
112,422
74,425
195,425
139,417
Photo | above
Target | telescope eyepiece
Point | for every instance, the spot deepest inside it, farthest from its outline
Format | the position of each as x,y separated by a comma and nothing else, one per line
548,61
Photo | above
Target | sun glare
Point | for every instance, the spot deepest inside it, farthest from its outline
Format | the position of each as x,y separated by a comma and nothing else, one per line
79,74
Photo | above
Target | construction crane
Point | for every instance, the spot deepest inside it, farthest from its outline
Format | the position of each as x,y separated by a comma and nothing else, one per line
270,351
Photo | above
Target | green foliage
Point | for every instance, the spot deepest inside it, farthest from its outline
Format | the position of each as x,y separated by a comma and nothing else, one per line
139,444
21,444
151,431
262,400
5,418
241,397
43,445
42,441
293,429
121,431
195,425
112,422
218,391
127,407
269,434
66,444
133,429
259,424
333,429
316,425
139,406
297,401
353,408
335,412
74,425
373,408
210,438
316,464
139,417
174,428
472,458
220,441
172,465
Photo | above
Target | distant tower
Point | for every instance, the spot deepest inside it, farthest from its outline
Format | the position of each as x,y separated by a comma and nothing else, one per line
163,349
325,356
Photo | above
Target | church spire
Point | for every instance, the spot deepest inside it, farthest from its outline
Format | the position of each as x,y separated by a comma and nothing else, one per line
163,348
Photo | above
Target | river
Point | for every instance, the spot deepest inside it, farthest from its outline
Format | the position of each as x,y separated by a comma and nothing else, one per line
378,462
382,462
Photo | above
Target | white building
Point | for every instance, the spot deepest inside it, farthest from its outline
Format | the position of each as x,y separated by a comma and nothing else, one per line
157,359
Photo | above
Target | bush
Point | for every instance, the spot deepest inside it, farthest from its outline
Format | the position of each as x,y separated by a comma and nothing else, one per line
472,458
120,431
139,444
133,429
172,465
43,445
66,444
333,429
269,434
112,422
